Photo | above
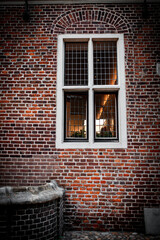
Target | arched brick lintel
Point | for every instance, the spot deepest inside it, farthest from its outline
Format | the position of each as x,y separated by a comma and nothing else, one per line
94,15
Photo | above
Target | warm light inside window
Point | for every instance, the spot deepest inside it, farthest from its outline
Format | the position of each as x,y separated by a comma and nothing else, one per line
105,115
105,62
76,115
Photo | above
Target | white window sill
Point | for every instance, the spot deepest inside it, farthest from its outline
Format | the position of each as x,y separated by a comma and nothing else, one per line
96,145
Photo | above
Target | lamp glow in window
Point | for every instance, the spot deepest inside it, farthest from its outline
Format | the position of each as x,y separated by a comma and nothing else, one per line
105,115
76,116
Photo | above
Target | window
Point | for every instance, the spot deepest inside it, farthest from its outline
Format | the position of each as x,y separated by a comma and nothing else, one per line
105,108
75,123
91,107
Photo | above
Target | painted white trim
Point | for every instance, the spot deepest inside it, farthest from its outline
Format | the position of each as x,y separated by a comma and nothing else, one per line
91,95
107,36
59,92
75,88
20,2
109,87
122,142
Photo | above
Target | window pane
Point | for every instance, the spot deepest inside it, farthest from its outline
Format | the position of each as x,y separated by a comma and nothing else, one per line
76,63
105,115
105,63
76,116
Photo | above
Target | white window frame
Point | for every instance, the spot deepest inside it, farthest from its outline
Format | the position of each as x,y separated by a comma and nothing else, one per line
122,141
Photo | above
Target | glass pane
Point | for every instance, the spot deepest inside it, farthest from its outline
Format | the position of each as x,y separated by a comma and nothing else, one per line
105,63
76,115
105,115
76,63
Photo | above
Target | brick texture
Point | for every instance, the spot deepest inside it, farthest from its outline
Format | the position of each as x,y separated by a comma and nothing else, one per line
34,221
106,189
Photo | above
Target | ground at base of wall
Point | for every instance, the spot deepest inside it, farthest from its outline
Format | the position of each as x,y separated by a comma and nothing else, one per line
87,235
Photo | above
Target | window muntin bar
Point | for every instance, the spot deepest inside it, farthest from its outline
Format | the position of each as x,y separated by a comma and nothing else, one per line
76,63
106,116
105,62
76,116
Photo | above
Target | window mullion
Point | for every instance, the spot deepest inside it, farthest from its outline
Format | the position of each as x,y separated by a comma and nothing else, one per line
91,97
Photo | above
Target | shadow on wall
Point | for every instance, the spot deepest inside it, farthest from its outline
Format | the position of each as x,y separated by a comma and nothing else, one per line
31,212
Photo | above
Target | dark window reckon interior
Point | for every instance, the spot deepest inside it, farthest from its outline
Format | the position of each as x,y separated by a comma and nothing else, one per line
76,64
105,63
76,115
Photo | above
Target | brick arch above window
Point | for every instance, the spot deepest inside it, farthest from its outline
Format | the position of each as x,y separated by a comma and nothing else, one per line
93,16
92,28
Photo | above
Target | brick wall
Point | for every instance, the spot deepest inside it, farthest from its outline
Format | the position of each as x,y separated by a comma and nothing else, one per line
106,189
34,221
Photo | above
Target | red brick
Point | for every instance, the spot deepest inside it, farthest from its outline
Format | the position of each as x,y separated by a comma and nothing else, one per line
118,183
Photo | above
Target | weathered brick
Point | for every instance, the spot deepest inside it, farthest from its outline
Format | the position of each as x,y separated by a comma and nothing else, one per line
106,189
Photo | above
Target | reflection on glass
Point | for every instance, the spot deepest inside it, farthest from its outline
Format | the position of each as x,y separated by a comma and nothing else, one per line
105,115
76,115
76,63
105,63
